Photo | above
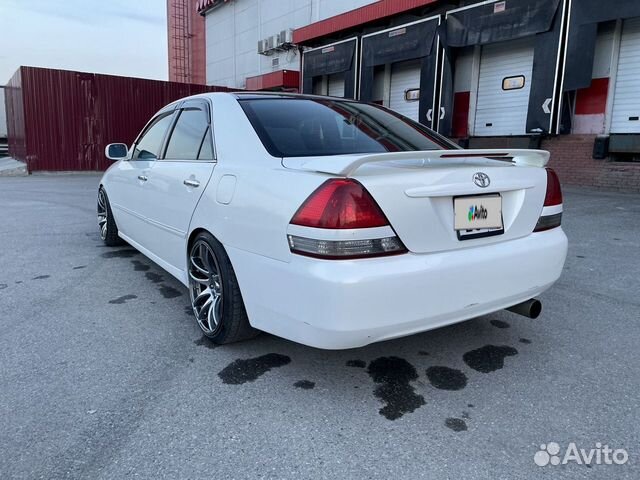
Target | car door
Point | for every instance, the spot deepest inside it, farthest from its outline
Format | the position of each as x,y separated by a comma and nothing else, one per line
128,181
177,182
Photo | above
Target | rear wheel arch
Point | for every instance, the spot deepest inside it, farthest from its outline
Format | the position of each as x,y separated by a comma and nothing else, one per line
194,233
106,220
235,325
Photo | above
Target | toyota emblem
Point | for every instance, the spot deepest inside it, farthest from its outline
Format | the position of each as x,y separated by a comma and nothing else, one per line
481,179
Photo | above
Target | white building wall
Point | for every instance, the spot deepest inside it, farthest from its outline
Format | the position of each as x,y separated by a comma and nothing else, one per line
234,28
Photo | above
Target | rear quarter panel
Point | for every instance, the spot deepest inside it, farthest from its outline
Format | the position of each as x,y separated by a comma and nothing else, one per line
251,198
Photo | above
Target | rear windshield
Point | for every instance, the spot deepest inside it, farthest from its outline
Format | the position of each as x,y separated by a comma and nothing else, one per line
301,127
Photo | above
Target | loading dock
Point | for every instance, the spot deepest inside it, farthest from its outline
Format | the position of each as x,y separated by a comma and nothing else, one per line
331,69
399,68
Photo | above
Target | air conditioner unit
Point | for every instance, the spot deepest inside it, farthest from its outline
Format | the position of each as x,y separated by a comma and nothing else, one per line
275,40
261,46
285,37
271,42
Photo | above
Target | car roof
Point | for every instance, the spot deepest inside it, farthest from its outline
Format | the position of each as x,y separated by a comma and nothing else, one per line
251,95
248,95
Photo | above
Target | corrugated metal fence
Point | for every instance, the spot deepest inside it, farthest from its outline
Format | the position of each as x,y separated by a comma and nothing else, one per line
60,120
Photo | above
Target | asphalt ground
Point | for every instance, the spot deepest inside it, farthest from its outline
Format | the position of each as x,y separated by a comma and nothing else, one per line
104,373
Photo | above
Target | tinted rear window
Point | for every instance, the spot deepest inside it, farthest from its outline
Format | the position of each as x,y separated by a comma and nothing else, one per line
301,127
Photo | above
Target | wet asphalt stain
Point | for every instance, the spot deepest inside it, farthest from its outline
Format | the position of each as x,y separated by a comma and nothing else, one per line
79,267
41,277
456,424
122,299
423,353
126,253
356,363
580,256
445,378
169,292
188,310
394,374
470,405
248,370
305,384
488,358
3,286
154,277
205,342
499,324
465,415
18,282
138,266
526,341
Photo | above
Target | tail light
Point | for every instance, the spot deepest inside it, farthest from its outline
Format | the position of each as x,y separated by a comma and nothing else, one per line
552,210
554,192
337,205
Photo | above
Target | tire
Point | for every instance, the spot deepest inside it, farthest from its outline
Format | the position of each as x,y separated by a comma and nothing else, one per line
215,295
106,222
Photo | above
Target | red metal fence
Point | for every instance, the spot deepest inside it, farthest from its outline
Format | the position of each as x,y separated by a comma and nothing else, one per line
60,120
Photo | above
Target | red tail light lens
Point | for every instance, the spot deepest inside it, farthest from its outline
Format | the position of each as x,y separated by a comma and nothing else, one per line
551,217
554,192
340,204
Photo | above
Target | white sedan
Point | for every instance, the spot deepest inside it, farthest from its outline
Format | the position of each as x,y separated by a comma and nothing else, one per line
331,222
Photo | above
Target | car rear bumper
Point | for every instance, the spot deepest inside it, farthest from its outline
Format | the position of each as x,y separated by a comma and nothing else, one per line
346,304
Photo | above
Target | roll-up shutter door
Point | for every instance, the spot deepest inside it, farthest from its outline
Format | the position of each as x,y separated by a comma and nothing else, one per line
503,88
626,101
336,85
404,76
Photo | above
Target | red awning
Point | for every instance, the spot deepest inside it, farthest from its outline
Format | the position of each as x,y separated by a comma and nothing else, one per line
354,18
285,79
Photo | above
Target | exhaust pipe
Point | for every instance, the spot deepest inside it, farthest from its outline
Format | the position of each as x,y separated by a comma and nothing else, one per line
530,308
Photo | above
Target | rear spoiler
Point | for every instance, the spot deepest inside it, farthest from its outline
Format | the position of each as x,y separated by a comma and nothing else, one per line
346,165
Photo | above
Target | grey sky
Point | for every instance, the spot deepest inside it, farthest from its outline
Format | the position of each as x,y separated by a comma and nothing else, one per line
118,37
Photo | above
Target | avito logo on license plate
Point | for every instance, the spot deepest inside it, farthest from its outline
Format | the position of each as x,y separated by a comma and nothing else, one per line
475,213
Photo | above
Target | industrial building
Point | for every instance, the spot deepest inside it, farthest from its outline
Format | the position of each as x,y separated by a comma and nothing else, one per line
186,38
562,75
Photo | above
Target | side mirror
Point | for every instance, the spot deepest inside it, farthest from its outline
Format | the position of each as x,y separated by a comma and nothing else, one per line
116,151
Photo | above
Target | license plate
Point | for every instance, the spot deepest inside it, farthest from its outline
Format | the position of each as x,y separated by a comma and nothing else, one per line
478,213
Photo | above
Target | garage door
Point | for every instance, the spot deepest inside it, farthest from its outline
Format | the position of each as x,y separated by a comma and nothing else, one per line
336,85
503,88
626,101
404,76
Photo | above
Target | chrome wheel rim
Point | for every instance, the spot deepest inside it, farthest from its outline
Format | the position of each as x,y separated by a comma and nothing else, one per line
102,214
205,287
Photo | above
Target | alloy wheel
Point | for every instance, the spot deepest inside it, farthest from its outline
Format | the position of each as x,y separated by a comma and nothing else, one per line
102,214
205,287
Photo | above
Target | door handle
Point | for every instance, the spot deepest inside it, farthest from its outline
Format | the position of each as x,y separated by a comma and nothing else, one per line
142,178
192,183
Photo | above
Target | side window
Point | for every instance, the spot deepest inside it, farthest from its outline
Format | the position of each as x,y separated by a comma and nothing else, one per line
206,150
148,146
191,138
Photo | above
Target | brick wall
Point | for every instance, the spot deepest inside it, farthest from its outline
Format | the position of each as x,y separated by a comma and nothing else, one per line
571,159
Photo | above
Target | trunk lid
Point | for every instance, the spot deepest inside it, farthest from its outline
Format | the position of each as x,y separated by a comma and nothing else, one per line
416,190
